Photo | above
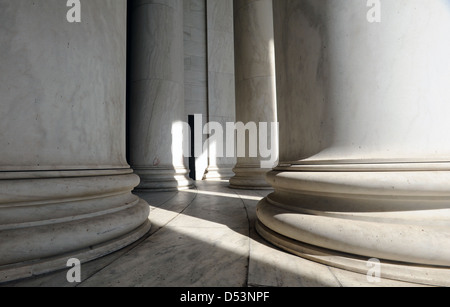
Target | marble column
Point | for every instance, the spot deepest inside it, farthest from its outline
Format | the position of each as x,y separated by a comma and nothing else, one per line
157,95
65,185
196,78
221,83
364,112
255,83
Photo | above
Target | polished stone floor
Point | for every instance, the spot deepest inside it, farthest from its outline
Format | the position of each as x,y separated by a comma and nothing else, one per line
205,237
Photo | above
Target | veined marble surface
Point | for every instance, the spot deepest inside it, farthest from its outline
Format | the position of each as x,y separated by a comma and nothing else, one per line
353,90
50,70
221,81
205,237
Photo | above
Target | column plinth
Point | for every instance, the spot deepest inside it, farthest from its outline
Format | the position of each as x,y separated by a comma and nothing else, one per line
396,213
218,173
160,179
255,83
250,177
49,217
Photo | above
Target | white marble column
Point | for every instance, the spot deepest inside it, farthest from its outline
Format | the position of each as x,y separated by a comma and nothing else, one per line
157,94
255,82
65,185
196,77
221,83
363,110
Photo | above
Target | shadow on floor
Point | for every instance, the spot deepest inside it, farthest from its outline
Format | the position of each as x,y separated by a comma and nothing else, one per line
204,237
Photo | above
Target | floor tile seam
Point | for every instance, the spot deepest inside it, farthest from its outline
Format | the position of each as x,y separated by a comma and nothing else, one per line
149,235
206,227
334,276
177,214
249,226
170,198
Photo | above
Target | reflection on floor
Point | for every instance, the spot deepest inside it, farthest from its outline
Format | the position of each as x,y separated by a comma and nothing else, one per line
204,237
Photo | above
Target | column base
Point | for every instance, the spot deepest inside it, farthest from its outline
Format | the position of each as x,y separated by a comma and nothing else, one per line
163,179
218,173
250,178
420,275
343,217
39,267
47,218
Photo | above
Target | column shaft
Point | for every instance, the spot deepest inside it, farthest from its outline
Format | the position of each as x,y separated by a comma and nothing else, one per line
255,82
157,95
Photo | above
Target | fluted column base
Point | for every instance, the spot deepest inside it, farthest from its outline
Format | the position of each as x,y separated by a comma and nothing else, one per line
163,179
344,215
46,218
250,178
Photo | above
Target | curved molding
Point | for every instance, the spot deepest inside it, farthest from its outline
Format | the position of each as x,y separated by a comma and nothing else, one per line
63,173
46,221
366,166
395,216
218,173
423,275
250,178
160,179
39,267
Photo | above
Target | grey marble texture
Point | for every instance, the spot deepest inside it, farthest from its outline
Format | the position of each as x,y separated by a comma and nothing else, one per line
367,94
50,71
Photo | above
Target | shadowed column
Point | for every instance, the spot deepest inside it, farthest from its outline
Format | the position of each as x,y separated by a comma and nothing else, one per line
157,95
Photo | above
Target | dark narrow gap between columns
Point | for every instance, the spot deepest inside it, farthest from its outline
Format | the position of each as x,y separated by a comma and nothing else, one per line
128,98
